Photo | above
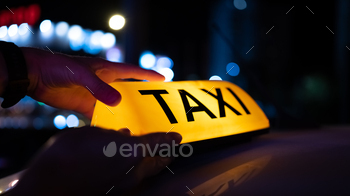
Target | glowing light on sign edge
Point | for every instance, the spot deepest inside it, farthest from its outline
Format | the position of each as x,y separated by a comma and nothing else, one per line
215,77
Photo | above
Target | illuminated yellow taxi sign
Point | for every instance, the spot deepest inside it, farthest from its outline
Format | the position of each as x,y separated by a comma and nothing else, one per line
198,110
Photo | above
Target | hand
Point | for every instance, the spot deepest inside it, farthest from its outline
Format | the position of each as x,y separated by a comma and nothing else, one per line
73,163
74,83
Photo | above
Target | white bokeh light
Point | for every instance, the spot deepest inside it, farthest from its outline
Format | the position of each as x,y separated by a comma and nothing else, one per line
45,26
3,31
75,32
72,121
167,73
116,22
147,60
23,29
12,31
108,40
62,28
215,77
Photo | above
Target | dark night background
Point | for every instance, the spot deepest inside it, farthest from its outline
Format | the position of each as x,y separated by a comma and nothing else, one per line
298,71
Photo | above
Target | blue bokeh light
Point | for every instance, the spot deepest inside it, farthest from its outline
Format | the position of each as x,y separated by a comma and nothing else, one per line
60,122
147,60
72,121
232,69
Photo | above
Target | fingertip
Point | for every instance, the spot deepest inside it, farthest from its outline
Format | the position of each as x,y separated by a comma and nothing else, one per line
113,98
157,77
175,136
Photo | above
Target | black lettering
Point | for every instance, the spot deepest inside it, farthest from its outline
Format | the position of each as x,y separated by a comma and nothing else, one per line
239,100
162,103
222,103
189,110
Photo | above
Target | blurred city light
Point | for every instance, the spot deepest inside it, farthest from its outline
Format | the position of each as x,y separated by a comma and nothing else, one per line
3,31
114,55
96,38
45,26
147,60
116,22
164,62
60,122
12,31
108,40
38,123
240,4
75,32
167,73
62,28
76,37
232,69
23,29
72,121
215,77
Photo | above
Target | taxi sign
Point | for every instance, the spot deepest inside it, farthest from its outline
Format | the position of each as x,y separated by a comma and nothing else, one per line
198,110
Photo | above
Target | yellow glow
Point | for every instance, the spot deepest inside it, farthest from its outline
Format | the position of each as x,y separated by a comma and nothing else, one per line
145,109
116,22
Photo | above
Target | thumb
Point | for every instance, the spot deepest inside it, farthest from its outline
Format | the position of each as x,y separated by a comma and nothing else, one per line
102,91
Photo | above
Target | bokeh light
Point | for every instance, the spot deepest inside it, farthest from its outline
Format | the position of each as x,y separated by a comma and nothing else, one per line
12,31
60,122
23,29
75,32
72,121
108,40
114,55
147,60
3,31
240,4
62,29
215,77
164,62
116,22
167,73
45,26
232,69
